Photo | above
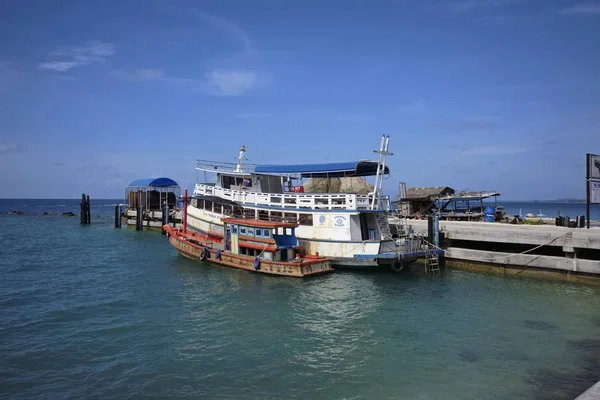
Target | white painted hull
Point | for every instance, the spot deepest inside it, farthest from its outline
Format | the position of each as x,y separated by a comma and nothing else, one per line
329,237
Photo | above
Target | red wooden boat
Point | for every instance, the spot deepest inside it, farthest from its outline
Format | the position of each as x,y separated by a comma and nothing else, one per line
250,244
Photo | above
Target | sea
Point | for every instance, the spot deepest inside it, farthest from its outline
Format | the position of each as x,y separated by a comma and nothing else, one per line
91,311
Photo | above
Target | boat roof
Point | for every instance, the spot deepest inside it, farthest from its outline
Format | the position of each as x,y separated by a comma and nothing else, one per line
464,196
259,223
329,170
154,182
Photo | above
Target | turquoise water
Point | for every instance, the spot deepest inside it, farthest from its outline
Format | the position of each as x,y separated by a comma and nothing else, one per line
97,312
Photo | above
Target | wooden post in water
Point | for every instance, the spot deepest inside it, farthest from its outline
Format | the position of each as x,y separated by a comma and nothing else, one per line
185,200
165,215
139,219
118,216
82,212
88,210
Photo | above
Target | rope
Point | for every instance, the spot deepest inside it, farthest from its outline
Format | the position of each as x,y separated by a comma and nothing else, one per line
449,254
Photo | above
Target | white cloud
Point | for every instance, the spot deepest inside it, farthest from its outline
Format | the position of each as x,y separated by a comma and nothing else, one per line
60,66
231,83
64,59
584,8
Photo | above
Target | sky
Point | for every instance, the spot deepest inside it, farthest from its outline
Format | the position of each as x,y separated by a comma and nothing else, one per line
475,94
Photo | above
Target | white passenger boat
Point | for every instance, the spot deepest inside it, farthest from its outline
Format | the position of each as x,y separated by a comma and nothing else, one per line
350,228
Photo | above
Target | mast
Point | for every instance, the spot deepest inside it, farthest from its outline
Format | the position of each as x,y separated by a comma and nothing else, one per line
238,167
383,153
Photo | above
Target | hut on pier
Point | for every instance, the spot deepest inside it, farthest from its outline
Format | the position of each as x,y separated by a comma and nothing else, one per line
151,194
421,200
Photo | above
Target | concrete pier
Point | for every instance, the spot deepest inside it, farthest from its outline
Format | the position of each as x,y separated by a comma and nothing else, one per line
541,247
593,393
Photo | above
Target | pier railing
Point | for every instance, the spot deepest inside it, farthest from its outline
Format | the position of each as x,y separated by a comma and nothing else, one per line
309,201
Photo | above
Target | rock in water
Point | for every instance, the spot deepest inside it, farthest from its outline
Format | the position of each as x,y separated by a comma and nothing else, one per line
15,212
68,214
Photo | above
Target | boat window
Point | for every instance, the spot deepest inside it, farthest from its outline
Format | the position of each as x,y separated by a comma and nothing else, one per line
266,233
250,231
242,230
306,219
258,232
290,216
288,231
234,228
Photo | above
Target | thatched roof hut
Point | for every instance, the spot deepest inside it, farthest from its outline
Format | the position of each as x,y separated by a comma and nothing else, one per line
427,193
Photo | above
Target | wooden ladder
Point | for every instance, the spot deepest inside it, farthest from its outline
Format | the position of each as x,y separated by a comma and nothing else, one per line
432,264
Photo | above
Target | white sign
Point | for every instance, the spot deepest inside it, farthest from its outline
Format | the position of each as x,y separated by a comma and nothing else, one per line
341,221
595,192
594,166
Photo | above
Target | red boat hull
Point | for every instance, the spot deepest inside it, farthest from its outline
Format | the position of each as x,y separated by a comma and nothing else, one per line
190,245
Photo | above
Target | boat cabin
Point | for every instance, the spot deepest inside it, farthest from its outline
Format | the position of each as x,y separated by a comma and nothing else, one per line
275,241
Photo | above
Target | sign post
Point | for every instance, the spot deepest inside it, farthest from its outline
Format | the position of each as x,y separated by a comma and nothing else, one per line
592,184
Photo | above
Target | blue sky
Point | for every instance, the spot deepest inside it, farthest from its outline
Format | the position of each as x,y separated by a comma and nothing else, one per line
475,94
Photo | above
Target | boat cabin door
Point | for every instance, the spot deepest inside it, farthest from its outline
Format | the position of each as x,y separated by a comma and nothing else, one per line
228,238
235,240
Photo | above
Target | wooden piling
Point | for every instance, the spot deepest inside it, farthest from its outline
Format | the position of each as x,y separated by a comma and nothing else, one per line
165,215
118,216
185,203
139,222
84,210
89,210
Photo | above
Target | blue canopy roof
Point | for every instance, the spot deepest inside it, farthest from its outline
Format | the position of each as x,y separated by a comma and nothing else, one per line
332,170
154,182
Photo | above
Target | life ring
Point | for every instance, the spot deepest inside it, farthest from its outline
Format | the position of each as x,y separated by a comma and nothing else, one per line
256,263
218,256
398,265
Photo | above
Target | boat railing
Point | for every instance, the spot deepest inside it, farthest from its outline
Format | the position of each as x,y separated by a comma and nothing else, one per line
218,166
311,201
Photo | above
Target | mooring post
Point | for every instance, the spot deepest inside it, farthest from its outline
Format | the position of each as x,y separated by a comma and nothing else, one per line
185,200
82,212
88,210
165,216
138,218
117,216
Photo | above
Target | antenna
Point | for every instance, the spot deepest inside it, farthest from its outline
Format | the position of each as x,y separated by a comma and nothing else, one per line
238,167
383,153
